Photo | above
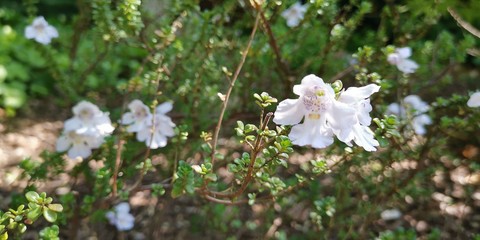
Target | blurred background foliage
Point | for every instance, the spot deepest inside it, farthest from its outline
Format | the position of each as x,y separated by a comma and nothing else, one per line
111,52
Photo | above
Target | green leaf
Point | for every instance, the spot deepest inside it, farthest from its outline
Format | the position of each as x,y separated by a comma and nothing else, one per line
4,236
32,196
211,176
55,207
49,215
34,213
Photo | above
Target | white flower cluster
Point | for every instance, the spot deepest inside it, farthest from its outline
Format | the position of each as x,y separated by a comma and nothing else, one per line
414,110
325,114
400,59
474,100
153,129
41,31
294,14
120,217
85,131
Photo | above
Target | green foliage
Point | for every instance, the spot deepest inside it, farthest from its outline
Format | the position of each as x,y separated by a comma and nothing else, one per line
184,180
50,233
13,222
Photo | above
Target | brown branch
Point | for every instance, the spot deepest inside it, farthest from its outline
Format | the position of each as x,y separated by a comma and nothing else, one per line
118,162
253,156
273,43
342,73
229,91
465,25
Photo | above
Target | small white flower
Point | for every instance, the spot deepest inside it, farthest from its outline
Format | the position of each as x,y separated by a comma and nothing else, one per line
400,59
139,116
413,110
78,145
324,116
89,120
391,214
294,14
41,31
161,126
120,217
474,100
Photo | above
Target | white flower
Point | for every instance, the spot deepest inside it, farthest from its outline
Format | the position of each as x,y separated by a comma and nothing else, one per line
161,126
78,145
391,214
400,59
474,100
138,118
294,14
358,99
41,31
413,110
89,120
324,116
120,217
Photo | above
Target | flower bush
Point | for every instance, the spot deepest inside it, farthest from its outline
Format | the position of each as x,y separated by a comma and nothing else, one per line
207,119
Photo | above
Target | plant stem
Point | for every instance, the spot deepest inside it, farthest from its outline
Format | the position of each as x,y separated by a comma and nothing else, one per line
230,88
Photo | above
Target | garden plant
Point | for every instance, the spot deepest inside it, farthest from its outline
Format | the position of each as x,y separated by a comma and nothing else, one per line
241,119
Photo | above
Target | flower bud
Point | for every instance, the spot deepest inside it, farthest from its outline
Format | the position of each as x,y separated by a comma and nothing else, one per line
337,86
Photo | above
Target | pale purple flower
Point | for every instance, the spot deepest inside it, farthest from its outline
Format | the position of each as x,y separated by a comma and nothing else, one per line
120,217
413,110
41,31
78,145
90,120
294,14
325,116
474,100
85,131
400,59
160,126
391,214
139,116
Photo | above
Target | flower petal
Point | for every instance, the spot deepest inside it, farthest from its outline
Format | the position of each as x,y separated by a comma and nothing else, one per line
419,122
404,52
79,150
416,104
51,32
308,81
63,143
356,94
127,118
289,112
72,124
364,137
341,118
164,108
143,134
122,207
311,133
474,100
407,66
395,109
30,32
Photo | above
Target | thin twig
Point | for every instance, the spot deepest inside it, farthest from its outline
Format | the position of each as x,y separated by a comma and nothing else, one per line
229,91
118,162
465,25
253,157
